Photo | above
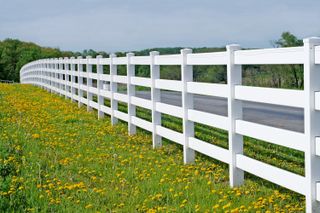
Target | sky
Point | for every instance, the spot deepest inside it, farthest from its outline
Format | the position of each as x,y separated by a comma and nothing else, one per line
124,25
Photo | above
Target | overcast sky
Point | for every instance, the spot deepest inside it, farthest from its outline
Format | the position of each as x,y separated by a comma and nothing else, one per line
124,25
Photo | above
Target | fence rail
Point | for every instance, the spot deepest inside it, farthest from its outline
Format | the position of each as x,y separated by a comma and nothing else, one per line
67,76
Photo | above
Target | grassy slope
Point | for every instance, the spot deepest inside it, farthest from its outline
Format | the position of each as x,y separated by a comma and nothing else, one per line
55,157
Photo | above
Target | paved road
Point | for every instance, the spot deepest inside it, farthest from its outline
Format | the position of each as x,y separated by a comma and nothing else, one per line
272,115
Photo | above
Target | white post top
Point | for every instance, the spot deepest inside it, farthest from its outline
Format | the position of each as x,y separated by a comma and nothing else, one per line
233,47
129,54
88,56
79,57
186,51
311,40
99,56
152,53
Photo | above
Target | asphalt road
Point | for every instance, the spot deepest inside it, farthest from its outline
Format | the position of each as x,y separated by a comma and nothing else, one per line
272,115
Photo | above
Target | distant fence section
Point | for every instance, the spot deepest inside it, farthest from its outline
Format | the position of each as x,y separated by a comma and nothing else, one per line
83,78
6,81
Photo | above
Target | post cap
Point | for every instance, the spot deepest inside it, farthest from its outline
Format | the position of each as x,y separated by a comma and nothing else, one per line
312,40
129,54
233,47
186,51
152,53
79,57
88,56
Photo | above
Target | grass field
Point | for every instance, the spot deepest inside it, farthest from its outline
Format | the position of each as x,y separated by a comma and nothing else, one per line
55,157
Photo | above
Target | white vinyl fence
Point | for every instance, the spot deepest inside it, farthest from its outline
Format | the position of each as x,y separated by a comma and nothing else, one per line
66,77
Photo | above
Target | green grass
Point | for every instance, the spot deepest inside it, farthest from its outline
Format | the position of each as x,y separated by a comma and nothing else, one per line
55,157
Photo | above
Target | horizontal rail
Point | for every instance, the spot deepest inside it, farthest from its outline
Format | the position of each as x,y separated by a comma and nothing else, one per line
290,139
141,102
210,150
169,109
217,58
140,60
273,174
292,55
140,81
284,97
219,90
142,123
121,115
170,134
167,60
209,119
168,85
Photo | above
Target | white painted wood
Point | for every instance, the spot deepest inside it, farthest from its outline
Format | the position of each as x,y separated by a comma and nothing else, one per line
141,102
317,55
131,90
216,58
140,60
105,93
292,181
218,90
105,77
120,97
89,82
120,79
140,81
66,78
317,100
210,150
100,87
114,88
284,97
187,103
169,109
121,115
168,85
311,123
167,60
289,55
318,147
119,61
209,119
234,73
106,109
155,97
170,134
142,123
282,137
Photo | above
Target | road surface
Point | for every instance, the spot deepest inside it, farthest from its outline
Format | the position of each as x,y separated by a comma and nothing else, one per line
272,115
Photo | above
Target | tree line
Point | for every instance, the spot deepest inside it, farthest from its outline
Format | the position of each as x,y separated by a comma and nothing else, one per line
14,54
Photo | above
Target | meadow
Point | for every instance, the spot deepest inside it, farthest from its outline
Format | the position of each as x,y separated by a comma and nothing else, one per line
55,157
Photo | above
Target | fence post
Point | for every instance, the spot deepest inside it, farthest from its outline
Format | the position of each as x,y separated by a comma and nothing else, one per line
80,81
66,77
187,103
311,123
99,86
113,89
61,76
155,97
131,90
72,68
56,74
234,73
89,83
